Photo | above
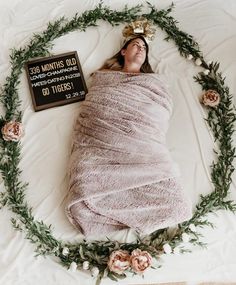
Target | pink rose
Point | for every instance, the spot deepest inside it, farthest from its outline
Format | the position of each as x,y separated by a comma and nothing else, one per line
140,260
119,261
211,98
12,131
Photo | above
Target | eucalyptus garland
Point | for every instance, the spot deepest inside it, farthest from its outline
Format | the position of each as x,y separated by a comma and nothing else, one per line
99,257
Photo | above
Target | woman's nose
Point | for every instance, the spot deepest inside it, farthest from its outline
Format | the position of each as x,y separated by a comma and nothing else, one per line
141,48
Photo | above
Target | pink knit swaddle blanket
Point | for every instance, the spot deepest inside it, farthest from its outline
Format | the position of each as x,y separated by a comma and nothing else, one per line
121,172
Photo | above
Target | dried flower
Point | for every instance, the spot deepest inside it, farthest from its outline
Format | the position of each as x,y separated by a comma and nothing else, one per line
206,71
198,61
140,260
176,250
85,265
94,271
211,98
185,237
73,266
12,131
65,251
192,227
189,57
138,27
119,261
167,248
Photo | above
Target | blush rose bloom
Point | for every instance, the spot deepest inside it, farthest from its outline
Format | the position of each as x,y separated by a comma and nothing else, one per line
119,261
211,98
140,260
12,131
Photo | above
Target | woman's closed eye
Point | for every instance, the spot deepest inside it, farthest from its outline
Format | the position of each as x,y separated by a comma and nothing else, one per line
140,47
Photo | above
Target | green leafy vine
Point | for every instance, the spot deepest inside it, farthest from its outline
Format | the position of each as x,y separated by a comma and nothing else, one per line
95,255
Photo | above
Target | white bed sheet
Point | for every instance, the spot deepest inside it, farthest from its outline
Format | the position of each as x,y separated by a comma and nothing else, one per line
45,146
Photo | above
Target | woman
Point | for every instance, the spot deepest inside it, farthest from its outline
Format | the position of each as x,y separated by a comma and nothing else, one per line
133,57
121,172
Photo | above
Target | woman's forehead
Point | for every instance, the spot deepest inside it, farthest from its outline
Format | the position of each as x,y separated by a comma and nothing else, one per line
139,41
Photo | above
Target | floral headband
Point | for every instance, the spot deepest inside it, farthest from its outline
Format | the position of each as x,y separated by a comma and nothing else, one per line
140,27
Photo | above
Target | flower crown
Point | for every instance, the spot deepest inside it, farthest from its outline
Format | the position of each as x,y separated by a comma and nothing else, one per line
140,27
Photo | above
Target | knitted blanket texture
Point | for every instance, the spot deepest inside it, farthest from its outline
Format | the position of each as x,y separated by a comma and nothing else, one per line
121,173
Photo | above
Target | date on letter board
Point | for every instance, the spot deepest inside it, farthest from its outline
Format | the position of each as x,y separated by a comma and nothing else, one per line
56,80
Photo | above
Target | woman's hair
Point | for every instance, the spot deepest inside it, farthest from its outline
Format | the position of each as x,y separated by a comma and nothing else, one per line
116,62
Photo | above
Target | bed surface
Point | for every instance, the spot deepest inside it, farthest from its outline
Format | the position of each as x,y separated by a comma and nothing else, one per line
46,144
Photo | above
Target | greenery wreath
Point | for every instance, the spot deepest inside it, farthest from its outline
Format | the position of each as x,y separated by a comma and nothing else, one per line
111,258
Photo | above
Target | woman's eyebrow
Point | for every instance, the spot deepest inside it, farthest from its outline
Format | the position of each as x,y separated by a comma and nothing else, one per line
136,42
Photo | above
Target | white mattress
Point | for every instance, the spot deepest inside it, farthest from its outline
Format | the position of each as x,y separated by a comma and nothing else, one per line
45,146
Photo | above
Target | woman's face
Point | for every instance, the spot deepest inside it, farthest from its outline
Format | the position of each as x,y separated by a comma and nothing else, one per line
135,52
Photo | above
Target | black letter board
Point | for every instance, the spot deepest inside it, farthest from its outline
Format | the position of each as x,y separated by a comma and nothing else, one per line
56,80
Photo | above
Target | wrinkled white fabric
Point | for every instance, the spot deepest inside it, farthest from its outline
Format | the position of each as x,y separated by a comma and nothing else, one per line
46,144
